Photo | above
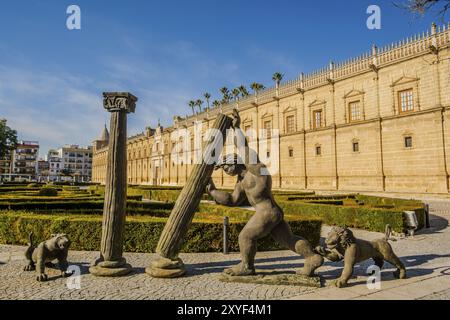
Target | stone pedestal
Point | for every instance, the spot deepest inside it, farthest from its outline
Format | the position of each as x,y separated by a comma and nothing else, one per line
275,278
111,263
172,237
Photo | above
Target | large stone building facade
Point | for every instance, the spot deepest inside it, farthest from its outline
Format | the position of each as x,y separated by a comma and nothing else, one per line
379,122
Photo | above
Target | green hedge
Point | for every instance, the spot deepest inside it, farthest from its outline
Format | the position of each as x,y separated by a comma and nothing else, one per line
19,188
47,192
372,219
380,201
324,198
159,194
34,198
33,185
141,234
75,204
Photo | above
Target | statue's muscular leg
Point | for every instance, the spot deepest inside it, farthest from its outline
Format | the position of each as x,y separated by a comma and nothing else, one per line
282,233
259,226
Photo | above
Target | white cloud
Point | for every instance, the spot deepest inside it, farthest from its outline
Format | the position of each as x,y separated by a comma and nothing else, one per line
53,109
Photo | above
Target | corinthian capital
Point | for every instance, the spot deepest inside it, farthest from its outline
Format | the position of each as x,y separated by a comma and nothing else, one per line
119,101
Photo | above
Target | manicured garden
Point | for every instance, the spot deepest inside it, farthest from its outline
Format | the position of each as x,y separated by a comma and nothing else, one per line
77,210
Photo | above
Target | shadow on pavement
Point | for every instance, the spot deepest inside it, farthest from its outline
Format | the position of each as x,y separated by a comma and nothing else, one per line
437,224
417,260
219,266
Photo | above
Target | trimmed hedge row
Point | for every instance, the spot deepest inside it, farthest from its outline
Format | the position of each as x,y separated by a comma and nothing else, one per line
379,201
34,199
329,202
170,194
141,234
89,204
372,219
331,198
20,188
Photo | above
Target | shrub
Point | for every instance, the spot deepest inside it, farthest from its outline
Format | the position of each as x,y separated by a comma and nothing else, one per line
141,234
48,192
33,185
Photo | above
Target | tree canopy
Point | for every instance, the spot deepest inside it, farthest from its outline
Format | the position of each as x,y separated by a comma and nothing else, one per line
8,138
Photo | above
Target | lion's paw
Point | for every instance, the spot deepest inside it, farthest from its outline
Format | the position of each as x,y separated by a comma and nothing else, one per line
340,283
29,267
400,274
42,277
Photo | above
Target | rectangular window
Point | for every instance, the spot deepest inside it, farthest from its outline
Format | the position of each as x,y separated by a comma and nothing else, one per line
267,126
247,129
355,111
317,119
408,142
291,153
290,124
406,100
318,150
355,146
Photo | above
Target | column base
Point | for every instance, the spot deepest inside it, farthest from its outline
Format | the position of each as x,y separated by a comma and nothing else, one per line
166,268
111,268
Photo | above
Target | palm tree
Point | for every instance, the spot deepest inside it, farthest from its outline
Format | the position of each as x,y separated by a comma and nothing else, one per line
256,87
243,91
235,92
226,94
207,97
277,77
216,103
199,104
192,105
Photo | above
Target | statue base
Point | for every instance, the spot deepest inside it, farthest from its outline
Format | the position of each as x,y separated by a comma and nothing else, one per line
275,278
166,268
110,268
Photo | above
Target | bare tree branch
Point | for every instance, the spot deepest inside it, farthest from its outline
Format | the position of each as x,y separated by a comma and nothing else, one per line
421,7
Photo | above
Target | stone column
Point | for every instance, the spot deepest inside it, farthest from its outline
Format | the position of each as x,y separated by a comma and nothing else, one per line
171,240
111,262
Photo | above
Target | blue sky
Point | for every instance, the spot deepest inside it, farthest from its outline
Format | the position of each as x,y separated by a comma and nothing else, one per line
166,53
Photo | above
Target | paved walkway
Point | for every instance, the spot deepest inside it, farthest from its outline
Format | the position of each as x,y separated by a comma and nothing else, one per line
426,256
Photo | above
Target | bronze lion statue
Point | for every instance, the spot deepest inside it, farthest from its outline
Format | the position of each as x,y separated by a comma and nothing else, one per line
341,244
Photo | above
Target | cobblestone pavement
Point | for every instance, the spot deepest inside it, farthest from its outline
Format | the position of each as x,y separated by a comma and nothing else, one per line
426,256
201,283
